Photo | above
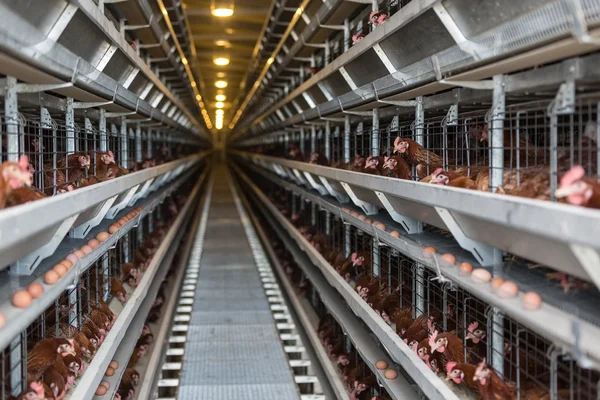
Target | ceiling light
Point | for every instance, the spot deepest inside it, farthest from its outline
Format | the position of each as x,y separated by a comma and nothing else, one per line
219,125
219,104
222,12
221,60
220,97
221,84
219,112
270,61
198,97
184,61
221,74
221,8
223,43
229,31
193,84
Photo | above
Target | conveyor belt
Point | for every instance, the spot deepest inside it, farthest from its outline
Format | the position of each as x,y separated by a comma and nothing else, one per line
233,349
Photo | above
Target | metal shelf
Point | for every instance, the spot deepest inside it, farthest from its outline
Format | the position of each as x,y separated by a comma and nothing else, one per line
368,349
303,316
149,284
76,77
149,374
556,324
21,318
479,221
401,71
32,232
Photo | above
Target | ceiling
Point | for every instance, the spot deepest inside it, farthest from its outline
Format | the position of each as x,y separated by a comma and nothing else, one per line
241,31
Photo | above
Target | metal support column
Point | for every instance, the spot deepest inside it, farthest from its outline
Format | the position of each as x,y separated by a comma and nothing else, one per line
375,133
302,147
138,143
497,133
11,116
328,140
124,136
347,35
313,138
347,129
102,131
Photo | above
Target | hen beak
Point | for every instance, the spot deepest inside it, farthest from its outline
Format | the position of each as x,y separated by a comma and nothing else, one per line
564,192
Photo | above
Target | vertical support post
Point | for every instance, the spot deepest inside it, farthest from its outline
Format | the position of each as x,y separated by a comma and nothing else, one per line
124,140
497,142
347,131
347,240
497,355
328,140
138,143
347,36
149,136
74,308
374,5
375,133
327,52
419,290
420,121
327,223
313,214
11,116
106,277
313,138
302,147
376,258
70,126
102,131
45,124
17,366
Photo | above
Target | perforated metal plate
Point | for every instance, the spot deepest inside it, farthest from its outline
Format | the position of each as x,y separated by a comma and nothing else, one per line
238,392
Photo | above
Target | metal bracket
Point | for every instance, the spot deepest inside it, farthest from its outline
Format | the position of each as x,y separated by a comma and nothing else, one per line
121,202
28,264
91,104
97,213
368,208
485,254
411,226
452,115
300,178
564,101
589,259
319,188
341,197
141,192
34,87
580,28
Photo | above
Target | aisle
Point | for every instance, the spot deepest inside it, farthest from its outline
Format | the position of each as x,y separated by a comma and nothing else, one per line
233,349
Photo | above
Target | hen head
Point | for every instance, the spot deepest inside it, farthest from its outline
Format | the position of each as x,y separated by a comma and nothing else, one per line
439,178
482,373
423,351
357,260
390,163
107,158
474,334
437,343
401,145
17,174
453,373
314,157
357,37
359,160
66,347
343,360
84,161
574,188
372,162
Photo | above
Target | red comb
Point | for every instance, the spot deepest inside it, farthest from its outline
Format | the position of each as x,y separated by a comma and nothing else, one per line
574,174
473,326
450,366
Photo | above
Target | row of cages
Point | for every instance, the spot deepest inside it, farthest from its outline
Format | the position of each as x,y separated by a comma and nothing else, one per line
359,380
543,156
47,357
423,310
61,152
359,24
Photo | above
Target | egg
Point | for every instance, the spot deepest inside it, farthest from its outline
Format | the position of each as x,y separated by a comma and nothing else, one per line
21,299
51,277
344,209
35,290
73,258
465,269
362,217
381,364
508,290
86,249
113,229
80,254
379,225
429,251
532,301
2,321
395,234
481,275
93,243
354,213
114,364
110,371
140,209
449,258
105,384
368,221
117,224
67,264
390,374
123,221
60,269
102,236
101,390
496,283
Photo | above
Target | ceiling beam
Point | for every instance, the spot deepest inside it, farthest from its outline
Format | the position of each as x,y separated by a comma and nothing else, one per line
193,11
